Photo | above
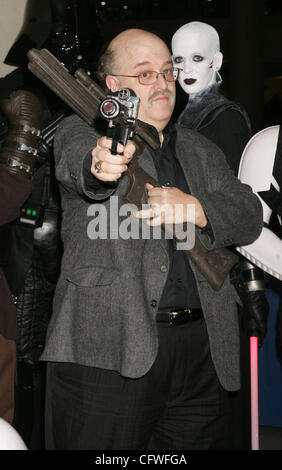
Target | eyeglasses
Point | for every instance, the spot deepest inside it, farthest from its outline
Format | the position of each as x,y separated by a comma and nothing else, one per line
150,76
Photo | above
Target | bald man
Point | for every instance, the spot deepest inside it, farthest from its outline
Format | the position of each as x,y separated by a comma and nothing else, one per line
136,347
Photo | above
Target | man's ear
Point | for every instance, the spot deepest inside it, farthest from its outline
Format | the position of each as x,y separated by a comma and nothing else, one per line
112,83
217,61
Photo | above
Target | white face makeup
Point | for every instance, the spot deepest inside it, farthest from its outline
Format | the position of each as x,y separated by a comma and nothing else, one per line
195,48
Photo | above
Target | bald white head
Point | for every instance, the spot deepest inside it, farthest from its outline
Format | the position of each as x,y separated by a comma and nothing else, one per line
196,52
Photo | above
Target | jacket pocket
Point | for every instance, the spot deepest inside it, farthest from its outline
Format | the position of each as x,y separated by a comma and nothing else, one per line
93,275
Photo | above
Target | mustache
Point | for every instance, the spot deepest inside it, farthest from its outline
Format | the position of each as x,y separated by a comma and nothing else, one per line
159,94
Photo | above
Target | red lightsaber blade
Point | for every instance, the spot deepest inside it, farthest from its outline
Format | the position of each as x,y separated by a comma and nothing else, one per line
254,392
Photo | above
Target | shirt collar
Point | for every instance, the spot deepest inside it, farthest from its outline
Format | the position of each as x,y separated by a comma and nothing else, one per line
167,132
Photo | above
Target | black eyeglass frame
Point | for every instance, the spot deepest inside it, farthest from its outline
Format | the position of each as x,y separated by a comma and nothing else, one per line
174,70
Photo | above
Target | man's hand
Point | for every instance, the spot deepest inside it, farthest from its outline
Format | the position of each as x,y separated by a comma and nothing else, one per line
172,206
108,167
256,309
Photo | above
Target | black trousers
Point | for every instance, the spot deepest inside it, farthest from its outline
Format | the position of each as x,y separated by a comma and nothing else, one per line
178,404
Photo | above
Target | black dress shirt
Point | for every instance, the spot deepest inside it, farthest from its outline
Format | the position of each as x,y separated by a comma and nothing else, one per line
180,290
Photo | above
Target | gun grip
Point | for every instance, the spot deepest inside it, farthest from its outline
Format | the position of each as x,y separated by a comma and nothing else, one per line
114,147
116,134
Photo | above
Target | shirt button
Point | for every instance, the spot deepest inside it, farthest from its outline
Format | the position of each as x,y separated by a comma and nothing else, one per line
163,269
153,303
167,183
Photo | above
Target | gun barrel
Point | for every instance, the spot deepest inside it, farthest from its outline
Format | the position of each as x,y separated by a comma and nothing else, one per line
51,72
33,54
81,94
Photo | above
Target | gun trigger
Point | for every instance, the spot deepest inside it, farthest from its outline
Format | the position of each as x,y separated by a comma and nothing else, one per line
145,193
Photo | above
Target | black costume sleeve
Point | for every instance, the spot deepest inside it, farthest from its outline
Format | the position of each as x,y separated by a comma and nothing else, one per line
91,182
231,135
14,190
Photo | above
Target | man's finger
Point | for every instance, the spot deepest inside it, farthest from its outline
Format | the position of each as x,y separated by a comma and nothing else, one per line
106,143
153,222
144,213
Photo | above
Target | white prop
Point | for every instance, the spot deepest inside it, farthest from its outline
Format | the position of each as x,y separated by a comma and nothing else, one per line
256,168
9,438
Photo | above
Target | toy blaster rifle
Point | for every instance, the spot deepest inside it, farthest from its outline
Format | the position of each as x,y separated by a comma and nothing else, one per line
120,109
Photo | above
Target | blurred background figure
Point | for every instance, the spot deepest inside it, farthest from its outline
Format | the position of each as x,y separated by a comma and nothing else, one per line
261,168
17,162
63,27
196,53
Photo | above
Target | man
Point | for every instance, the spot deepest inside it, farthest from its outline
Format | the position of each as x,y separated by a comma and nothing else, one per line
124,372
261,168
197,55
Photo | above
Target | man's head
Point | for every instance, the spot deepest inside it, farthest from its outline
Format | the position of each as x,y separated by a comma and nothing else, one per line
196,52
137,52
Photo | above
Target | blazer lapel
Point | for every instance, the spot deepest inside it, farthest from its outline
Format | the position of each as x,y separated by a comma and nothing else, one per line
187,160
147,164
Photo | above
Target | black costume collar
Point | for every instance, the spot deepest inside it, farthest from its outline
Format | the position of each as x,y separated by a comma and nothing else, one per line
204,107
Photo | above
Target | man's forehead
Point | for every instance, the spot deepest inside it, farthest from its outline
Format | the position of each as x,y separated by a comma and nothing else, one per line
149,51
150,63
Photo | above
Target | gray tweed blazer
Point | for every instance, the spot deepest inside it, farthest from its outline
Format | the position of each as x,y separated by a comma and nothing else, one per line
109,288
